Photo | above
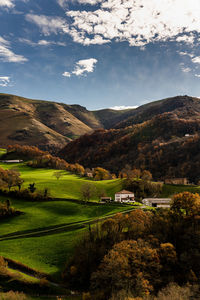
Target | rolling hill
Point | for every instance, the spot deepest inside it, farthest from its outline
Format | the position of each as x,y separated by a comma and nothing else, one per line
49,125
161,136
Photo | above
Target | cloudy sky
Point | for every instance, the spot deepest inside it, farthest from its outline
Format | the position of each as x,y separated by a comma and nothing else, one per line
100,53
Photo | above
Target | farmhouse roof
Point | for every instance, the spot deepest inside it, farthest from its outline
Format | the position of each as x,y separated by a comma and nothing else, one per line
124,192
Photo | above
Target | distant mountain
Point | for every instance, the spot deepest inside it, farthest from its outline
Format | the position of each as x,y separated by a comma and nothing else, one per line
162,136
46,124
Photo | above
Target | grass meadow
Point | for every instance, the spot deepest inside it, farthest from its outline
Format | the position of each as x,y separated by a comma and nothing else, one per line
49,250
68,186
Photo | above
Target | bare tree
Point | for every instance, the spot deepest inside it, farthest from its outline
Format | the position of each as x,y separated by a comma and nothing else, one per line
87,191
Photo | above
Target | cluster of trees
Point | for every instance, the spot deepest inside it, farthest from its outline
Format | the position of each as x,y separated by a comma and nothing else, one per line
99,173
41,159
49,161
140,253
10,178
88,191
6,210
140,182
31,193
134,173
25,151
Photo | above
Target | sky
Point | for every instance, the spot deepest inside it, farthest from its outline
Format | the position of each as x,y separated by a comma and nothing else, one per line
100,53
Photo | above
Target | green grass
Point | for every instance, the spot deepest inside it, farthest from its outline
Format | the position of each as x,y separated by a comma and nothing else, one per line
47,253
44,214
2,152
169,190
67,186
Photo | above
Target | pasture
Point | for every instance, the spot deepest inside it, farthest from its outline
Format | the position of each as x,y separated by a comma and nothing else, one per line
68,186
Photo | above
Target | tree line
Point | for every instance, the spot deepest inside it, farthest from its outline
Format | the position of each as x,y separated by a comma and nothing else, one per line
42,159
139,253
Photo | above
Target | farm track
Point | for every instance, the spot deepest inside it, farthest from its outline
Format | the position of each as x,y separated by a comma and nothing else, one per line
38,232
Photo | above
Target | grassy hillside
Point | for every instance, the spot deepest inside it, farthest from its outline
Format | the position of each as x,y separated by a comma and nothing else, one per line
32,238
44,235
67,186
46,124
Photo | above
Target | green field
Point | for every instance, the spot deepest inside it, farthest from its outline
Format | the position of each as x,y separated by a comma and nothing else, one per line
2,152
170,189
67,186
56,224
50,249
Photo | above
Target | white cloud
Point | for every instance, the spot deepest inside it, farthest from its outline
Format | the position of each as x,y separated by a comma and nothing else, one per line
7,55
82,67
188,39
138,22
66,74
186,54
48,24
40,42
122,107
197,75
196,60
7,3
4,80
186,69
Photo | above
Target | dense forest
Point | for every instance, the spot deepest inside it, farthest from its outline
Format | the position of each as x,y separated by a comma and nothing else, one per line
167,144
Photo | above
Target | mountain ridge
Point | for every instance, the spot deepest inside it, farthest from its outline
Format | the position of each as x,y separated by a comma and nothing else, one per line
46,124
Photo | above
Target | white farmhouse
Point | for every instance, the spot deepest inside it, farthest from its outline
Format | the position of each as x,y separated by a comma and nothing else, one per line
124,196
157,202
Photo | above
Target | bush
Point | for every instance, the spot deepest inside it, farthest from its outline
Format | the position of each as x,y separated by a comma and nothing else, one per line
13,296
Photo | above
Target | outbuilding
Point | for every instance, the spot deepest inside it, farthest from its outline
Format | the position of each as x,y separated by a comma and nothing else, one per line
157,202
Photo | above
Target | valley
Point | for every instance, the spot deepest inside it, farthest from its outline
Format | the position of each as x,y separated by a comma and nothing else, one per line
41,243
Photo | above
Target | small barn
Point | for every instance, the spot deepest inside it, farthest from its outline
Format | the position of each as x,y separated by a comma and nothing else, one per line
106,199
124,196
182,181
157,202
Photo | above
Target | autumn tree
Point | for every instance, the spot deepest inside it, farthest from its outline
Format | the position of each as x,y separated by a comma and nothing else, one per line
12,178
101,174
186,202
131,265
146,175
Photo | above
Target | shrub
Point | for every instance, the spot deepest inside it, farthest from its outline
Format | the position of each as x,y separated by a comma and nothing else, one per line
13,296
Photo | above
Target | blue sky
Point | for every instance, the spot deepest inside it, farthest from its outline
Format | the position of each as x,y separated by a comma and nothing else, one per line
100,53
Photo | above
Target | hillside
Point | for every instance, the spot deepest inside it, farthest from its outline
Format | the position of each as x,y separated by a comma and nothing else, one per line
49,125
162,136
183,106
41,123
